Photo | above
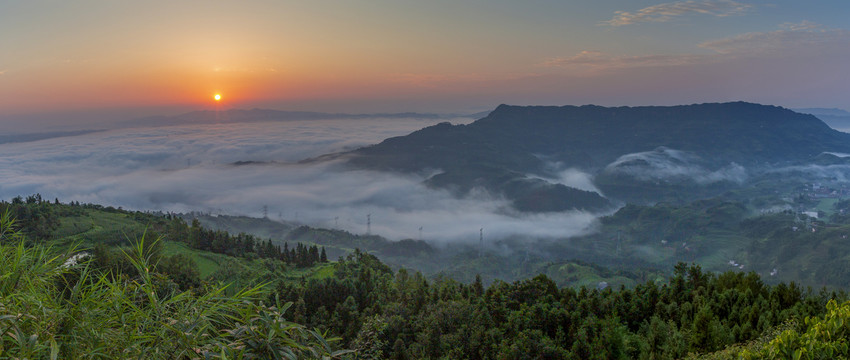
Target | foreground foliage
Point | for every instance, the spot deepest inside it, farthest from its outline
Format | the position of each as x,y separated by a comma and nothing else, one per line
50,308
401,315
823,337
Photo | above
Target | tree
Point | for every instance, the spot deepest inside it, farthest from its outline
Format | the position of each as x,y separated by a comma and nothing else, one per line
478,286
181,269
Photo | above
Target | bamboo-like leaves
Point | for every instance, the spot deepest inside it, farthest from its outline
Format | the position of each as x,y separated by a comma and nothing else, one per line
48,310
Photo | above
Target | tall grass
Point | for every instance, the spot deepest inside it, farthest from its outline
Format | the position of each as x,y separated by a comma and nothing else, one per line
49,310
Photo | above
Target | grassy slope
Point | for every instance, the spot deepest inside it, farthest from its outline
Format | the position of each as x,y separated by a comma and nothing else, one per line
115,228
95,226
208,262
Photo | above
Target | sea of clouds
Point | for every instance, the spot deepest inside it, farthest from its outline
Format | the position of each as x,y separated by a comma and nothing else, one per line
191,168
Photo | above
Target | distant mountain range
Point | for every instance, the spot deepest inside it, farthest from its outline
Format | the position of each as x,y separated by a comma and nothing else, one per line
836,118
259,115
663,149
27,137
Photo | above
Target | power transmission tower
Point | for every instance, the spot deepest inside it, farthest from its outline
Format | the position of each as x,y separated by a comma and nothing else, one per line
619,240
480,242
369,224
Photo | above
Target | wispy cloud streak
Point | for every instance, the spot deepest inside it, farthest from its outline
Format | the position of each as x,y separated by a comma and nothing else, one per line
792,39
668,11
596,59
792,36
670,164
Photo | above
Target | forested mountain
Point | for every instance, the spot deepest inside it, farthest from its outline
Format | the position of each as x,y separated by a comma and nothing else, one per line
595,136
511,149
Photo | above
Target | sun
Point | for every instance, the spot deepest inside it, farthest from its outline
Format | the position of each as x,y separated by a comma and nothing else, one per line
217,97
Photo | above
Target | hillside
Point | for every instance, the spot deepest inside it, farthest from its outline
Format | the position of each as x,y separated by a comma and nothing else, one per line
378,313
86,281
200,254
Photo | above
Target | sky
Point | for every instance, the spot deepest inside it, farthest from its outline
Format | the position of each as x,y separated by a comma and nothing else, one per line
87,59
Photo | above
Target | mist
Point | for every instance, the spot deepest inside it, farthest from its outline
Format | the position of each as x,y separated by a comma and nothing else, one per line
816,172
676,165
191,168
559,173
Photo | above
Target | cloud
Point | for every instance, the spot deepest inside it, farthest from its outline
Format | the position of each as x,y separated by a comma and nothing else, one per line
568,176
599,60
673,165
189,168
793,39
826,172
803,25
838,154
431,80
796,37
577,179
667,11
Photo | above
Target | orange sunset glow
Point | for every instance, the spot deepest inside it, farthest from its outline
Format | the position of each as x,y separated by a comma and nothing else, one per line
416,56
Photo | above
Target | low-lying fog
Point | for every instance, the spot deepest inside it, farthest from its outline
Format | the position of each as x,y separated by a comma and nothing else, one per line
189,168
